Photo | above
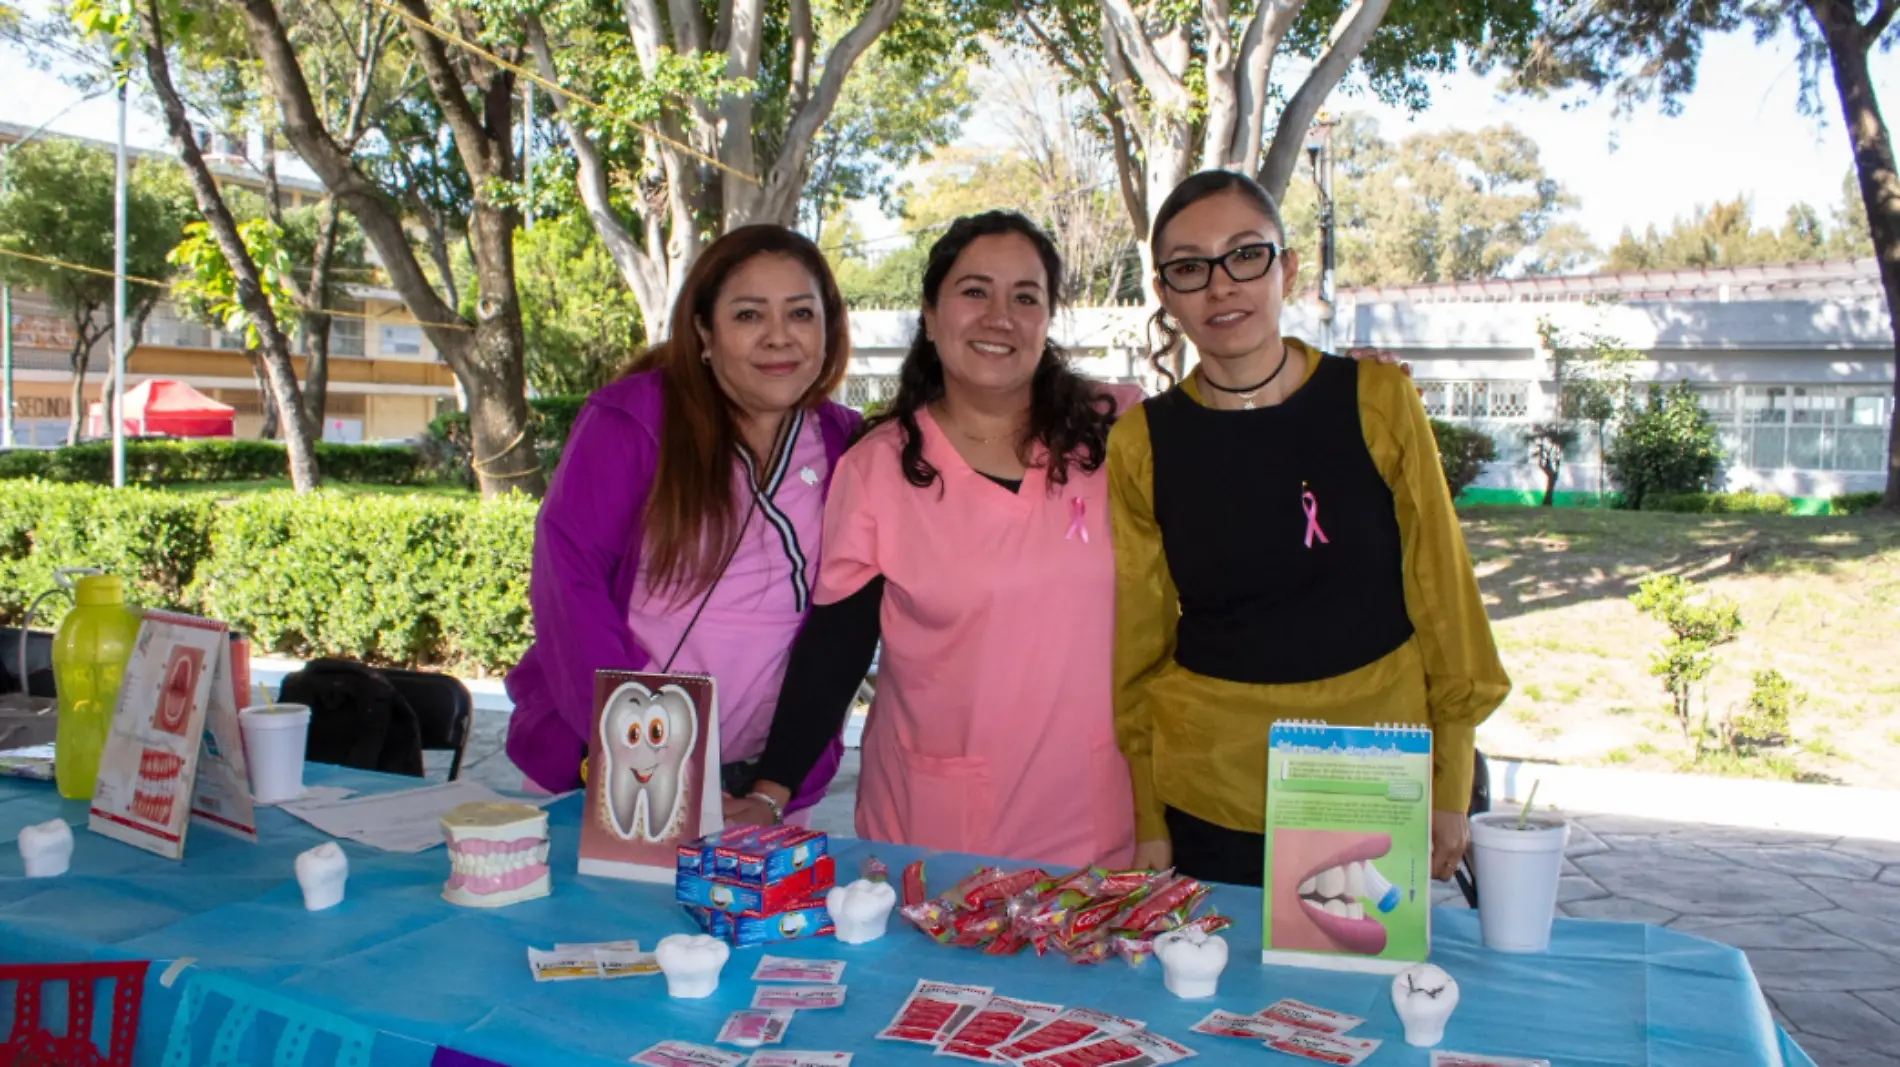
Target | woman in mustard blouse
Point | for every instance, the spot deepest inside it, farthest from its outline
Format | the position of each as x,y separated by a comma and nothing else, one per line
1285,548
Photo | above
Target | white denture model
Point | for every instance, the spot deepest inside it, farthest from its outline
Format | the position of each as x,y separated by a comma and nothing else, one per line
498,854
46,849
1424,996
691,963
1191,962
321,874
860,911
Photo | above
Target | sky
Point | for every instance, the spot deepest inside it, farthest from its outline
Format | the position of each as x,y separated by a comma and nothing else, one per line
1740,132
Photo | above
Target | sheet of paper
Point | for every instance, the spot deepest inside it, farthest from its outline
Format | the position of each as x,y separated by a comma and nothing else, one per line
408,820
313,794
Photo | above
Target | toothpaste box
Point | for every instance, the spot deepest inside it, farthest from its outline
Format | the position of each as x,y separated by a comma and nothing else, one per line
697,857
808,919
767,856
723,894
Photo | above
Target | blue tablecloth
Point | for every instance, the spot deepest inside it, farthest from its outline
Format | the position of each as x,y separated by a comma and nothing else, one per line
396,958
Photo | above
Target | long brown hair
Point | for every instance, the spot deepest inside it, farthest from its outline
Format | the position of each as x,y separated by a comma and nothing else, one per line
690,520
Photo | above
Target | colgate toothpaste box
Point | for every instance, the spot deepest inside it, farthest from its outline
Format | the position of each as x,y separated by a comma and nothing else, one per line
767,856
726,895
808,918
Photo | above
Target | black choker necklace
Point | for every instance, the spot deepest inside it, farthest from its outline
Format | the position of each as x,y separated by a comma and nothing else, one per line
1247,393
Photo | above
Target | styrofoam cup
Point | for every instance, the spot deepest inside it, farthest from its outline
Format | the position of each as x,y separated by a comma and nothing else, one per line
274,737
1518,871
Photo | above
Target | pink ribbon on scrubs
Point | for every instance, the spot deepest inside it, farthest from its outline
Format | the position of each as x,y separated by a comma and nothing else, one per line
1312,519
1078,511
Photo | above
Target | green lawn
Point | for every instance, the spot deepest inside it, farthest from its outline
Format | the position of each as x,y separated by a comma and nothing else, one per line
270,485
1820,602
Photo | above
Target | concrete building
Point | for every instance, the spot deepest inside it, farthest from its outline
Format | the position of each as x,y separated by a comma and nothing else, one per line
1794,361
386,381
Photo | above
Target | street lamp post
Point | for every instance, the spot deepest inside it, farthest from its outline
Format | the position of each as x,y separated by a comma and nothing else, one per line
1319,149
116,409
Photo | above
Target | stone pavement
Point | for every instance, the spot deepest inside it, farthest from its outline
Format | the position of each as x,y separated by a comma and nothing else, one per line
1819,917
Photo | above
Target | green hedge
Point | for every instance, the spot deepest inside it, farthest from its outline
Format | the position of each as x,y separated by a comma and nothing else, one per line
1854,503
1462,453
385,579
173,462
1744,503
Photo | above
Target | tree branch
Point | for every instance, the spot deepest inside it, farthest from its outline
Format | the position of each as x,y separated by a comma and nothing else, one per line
745,38
1254,67
778,200
1350,34
1223,106
804,43
472,142
381,225
1133,177
1163,84
1882,18
642,275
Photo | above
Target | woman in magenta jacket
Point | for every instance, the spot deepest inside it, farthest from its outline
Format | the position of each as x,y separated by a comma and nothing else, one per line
681,530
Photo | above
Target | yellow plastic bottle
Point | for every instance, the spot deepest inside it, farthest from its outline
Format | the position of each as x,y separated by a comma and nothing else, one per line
89,655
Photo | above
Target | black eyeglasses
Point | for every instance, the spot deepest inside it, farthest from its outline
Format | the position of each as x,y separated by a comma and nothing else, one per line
1191,274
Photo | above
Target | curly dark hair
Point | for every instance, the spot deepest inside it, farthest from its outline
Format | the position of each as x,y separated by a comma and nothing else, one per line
1068,414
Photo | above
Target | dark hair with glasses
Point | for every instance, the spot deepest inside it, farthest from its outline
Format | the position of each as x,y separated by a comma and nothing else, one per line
1199,270
1068,414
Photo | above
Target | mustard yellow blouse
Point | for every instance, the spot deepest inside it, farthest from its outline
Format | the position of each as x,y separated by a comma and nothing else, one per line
1199,744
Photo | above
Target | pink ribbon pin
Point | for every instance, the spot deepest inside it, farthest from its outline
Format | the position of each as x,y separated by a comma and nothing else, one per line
1312,519
1078,511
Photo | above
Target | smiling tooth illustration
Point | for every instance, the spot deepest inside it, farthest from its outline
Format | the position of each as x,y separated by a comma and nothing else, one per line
647,737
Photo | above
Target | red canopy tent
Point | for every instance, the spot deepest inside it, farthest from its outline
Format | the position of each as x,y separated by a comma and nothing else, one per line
163,407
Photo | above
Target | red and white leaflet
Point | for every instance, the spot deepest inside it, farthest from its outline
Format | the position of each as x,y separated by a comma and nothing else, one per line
682,1054
1072,1027
798,997
1230,1024
1308,1017
933,1010
1335,1049
1468,1059
994,1024
799,1059
1138,1049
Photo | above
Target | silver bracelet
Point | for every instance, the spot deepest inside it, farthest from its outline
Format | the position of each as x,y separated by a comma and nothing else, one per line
778,813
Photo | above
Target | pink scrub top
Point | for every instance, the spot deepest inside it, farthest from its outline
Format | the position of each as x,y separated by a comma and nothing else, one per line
993,727
744,635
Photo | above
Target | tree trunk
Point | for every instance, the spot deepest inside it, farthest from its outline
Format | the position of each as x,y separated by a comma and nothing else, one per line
268,431
250,290
487,356
1550,486
1848,45
81,357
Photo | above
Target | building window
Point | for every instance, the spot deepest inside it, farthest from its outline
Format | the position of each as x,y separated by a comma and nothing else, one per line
1500,409
864,391
400,340
346,330
1802,427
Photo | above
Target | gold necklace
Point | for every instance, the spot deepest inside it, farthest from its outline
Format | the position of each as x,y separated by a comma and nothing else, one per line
967,435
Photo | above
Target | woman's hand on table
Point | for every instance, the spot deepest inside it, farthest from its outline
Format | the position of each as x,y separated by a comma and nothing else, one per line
1154,855
1451,835
751,810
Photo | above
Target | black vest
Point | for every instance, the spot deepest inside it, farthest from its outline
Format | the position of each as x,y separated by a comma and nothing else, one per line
1257,603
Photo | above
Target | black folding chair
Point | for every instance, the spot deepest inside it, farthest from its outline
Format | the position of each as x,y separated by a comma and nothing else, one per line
1467,873
444,708
38,680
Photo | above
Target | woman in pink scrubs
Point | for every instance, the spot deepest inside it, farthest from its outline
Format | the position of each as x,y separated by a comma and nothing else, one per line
968,528
681,529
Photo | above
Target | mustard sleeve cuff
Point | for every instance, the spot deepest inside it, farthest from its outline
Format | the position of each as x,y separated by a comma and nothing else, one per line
1452,748
1150,824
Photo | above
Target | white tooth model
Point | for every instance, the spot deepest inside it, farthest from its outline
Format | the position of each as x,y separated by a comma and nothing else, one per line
691,963
47,849
1191,962
1424,996
321,872
646,737
498,854
860,911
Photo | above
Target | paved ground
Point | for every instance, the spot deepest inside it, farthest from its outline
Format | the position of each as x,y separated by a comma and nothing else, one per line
1819,917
